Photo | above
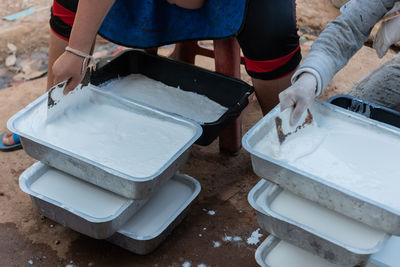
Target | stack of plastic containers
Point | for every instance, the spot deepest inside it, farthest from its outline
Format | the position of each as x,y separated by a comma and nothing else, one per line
316,222
125,185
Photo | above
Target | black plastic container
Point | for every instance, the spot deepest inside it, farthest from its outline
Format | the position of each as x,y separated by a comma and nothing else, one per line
228,91
368,109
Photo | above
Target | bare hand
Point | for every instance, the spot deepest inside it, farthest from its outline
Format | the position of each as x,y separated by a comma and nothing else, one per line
68,67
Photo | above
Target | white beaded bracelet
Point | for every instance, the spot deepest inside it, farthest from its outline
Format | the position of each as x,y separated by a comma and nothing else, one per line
87,57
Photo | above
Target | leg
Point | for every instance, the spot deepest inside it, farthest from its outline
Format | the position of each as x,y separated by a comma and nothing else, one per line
185,52
271,49
227,61
267,91
381,86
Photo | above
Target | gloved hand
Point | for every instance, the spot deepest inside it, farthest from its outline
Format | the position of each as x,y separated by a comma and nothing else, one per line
300,96
388,34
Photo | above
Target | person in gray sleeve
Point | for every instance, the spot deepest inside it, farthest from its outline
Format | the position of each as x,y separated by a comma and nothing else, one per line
340,40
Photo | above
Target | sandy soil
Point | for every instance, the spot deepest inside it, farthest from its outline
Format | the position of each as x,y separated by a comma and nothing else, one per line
27,238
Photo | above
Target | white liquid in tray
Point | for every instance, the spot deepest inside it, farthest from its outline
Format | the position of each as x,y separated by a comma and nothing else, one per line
355,157
77,194
126,141
323,220
287,255
160,208
174,100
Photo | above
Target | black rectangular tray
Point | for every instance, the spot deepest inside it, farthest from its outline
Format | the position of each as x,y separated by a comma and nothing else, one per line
228,91
368,109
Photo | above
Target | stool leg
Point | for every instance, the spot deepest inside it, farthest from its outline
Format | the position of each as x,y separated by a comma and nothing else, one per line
227,61
185,51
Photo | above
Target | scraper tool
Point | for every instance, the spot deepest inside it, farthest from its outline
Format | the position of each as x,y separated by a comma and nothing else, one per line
57,102
283,127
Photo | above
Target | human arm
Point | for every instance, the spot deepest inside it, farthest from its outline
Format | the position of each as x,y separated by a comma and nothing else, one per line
89,16
340,40
388,34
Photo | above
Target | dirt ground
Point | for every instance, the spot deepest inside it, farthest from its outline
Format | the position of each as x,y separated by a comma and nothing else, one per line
27,238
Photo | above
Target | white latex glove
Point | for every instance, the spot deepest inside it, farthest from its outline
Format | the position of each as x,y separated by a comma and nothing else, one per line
388,34
300,96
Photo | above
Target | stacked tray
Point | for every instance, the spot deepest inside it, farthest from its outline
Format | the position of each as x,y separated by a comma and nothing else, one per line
135,193
309,185
136,225
59,153
338,207
293,219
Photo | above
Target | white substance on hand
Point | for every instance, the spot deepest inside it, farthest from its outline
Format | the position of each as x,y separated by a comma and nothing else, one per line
77,194
355,157
123,140
174,100
322,220
157,213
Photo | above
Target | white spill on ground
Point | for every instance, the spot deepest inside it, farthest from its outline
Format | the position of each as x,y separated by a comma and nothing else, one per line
186,264
228,238
237,238
255,237
216,244
201,265
211,212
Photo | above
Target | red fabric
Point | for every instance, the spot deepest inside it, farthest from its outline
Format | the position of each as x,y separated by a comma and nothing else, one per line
268,65
64,14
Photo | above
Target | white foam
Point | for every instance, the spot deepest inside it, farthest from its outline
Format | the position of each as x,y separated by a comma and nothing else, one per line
77,194
159,210
188,104
355,157
126,141
323,220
